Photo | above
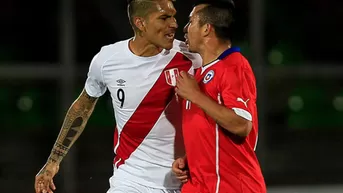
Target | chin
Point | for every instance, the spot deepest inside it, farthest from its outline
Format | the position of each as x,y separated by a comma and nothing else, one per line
168,46
190,49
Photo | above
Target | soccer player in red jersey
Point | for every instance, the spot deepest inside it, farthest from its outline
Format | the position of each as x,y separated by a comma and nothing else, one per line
220,124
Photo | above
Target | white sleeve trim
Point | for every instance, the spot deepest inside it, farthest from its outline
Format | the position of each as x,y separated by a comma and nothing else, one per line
90,93
243,113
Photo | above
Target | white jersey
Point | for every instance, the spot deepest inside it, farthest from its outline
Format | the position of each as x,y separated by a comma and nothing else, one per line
148,126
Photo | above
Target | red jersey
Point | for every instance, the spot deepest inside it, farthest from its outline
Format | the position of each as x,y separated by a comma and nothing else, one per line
219,161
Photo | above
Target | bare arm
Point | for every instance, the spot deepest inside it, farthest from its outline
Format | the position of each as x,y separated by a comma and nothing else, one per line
73,125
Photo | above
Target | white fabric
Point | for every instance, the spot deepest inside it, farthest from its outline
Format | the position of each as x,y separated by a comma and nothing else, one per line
129,186
243,113
116,67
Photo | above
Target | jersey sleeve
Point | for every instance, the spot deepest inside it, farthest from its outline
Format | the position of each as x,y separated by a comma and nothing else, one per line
95,86
238,91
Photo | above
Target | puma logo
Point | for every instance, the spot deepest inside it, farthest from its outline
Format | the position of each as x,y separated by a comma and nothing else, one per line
244,102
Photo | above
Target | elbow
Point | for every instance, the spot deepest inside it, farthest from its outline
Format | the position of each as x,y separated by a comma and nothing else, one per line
241,129
244,129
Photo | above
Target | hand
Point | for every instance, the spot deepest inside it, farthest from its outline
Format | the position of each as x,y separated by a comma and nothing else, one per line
179,169
186,86
44,179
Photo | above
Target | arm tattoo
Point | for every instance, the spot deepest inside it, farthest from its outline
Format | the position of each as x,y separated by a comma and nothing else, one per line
58,152
73,125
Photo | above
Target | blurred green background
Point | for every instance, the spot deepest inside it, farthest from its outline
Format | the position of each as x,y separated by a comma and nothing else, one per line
45,50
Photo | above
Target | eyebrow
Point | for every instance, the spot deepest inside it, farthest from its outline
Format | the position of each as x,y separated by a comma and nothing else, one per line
167,15
174,12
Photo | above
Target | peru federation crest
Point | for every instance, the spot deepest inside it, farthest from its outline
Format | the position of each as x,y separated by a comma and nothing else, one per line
171,76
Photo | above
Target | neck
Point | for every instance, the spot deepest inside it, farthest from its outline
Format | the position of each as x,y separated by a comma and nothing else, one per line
141,47
212,50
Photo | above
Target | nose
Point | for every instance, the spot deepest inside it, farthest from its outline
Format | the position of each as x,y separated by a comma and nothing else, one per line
173,23
185,28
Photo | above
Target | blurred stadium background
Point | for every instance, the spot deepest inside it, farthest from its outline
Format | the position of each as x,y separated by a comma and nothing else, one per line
295,48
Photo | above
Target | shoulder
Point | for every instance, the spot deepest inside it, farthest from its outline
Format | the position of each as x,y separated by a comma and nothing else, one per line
236,62
111,50
235,67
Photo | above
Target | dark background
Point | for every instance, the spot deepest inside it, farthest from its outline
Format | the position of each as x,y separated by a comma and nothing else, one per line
45,48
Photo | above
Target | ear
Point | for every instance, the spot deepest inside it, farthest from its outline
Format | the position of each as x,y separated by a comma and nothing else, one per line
206,29
140,23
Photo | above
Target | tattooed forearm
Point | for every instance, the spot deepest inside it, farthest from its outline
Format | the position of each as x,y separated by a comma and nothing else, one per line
73,125
58,152
72,132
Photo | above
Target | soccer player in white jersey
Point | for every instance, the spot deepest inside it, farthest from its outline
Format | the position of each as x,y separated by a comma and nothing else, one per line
140,75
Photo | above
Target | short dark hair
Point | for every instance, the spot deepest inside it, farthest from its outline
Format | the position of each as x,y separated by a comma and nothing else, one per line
221,18
139,8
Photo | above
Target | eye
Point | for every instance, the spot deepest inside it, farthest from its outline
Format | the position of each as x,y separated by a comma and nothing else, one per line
165,17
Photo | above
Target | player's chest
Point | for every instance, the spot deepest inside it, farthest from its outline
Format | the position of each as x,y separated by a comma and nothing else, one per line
209,81
150,86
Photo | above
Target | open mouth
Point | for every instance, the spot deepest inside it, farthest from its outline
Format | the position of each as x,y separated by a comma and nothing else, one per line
170,36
